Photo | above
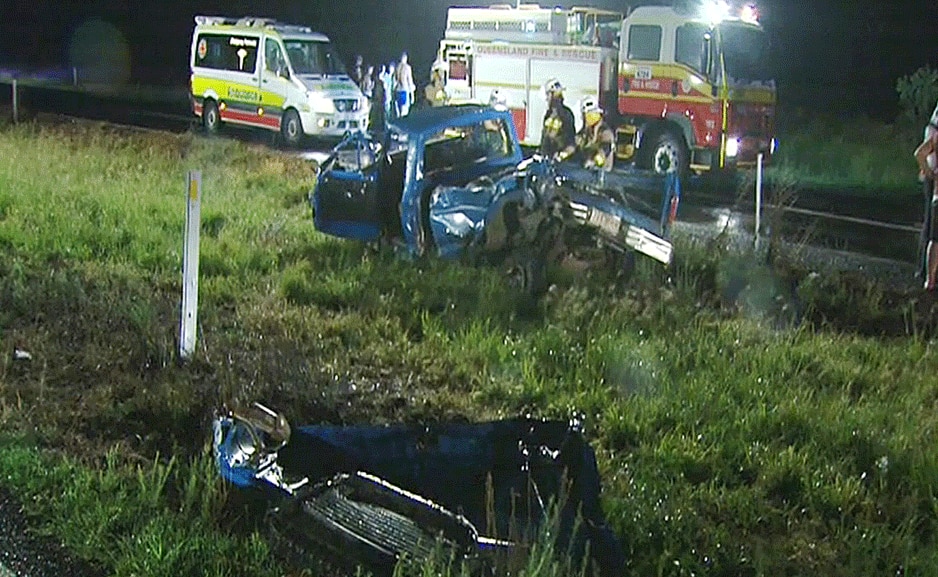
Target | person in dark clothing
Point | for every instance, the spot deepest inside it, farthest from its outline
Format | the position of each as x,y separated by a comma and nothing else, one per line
558,133
377,117
358,73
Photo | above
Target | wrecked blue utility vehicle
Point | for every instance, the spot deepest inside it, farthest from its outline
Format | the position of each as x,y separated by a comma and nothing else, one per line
452,181
479,494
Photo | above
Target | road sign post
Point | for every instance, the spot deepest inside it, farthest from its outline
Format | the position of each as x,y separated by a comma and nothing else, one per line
758,226
190,267
16,104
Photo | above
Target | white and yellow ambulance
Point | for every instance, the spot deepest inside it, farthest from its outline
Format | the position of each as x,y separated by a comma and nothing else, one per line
262,73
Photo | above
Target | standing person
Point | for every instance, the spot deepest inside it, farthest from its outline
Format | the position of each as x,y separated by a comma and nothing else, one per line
595,142
368,83
357,73
405,86
559,130
435,92
388,79
925,155
377,115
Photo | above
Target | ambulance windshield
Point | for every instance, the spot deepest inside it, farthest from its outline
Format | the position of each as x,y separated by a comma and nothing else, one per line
745,53
310,57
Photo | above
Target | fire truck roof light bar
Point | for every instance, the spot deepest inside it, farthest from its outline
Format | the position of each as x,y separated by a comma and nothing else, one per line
716,11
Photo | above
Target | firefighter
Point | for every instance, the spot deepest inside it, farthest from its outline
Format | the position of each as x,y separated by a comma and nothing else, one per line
435,92
559,131
595,143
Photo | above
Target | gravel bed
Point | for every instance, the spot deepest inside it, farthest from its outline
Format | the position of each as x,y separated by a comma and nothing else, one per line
23,553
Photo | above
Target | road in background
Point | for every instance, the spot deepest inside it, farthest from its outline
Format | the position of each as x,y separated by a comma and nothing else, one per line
843,221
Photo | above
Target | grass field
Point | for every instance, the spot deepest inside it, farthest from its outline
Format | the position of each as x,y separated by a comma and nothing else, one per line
867,157
787,426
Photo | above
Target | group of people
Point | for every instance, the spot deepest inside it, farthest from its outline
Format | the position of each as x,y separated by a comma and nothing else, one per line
593,145
389,90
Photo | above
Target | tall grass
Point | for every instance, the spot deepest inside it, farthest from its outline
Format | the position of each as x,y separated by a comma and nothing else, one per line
867,157
732,439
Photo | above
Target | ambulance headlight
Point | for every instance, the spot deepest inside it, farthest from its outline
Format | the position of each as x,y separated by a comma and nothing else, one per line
320,104
732,147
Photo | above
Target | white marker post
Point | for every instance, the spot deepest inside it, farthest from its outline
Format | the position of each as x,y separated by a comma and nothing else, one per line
758,197
16,104
190,267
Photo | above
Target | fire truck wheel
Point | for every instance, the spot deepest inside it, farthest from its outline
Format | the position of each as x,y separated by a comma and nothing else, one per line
211,118
668,153
291,128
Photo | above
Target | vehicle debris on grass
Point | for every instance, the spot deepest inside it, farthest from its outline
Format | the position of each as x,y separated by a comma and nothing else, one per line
481,493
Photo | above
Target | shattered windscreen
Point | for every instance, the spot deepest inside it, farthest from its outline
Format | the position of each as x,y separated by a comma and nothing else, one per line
458,146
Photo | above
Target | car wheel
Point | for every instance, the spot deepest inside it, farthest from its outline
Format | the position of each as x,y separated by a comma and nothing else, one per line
211,117
291,129
667,153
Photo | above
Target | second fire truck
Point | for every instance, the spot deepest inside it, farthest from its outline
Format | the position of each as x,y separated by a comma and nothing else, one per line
687,89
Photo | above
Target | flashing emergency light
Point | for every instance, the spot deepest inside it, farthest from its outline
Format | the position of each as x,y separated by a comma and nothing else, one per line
715,11
749,13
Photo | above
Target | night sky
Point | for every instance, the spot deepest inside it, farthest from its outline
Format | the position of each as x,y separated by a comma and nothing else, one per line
831,56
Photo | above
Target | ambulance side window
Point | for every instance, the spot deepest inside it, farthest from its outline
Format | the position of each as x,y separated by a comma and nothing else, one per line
644,42
225,52
273,56
690,47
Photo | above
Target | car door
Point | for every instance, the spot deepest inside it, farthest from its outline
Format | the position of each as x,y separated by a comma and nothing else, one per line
348,200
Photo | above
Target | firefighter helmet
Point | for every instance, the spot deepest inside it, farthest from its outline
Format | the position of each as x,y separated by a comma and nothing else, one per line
591,110
553,88
590,104
497,100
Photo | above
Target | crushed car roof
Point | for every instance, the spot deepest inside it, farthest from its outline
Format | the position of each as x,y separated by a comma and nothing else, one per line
438,117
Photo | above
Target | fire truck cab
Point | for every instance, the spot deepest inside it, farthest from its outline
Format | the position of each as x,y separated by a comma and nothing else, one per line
686,89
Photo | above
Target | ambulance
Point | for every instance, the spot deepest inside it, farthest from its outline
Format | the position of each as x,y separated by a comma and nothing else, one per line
686,87
260,73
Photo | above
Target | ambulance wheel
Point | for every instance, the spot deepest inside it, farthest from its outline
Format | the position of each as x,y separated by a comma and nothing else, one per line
668,154
291,129
211,117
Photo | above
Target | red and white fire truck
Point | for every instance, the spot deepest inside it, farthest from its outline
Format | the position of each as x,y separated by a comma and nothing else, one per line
686,89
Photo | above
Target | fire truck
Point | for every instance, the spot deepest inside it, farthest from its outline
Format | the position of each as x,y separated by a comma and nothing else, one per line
686,88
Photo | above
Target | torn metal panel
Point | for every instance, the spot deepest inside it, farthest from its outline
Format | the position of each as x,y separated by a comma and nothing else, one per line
373,495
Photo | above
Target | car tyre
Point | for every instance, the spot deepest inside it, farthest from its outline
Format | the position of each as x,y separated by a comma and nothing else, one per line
211,117
291,129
